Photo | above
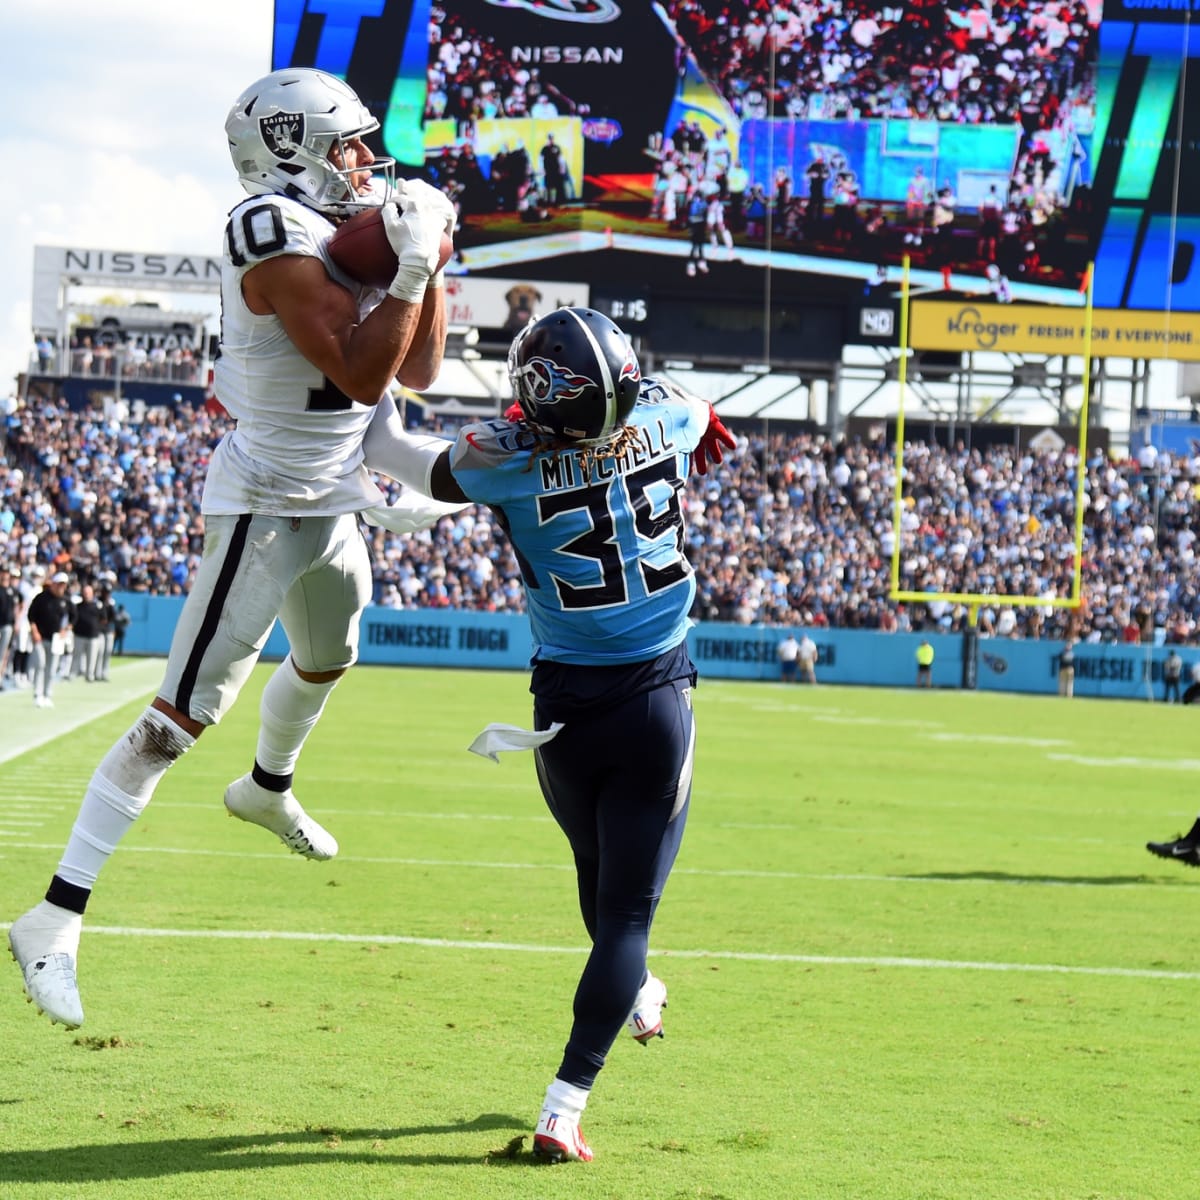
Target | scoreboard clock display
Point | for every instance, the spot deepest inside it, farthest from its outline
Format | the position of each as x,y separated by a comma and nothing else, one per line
629,307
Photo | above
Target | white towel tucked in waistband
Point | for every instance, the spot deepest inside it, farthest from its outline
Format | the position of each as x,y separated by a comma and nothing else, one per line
497,737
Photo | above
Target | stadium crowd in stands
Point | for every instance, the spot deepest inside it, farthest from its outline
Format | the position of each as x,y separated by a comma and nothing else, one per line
1010,61
469,77
1029,66
793,530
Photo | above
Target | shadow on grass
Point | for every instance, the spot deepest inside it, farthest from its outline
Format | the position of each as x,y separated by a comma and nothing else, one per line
1064,880
132,1159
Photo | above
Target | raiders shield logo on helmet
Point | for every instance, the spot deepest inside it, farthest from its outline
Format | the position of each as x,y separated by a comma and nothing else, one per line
282,133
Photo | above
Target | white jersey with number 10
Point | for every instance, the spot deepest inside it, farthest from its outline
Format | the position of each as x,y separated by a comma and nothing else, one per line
297,448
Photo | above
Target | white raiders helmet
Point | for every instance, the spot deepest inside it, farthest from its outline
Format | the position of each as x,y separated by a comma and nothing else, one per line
281,130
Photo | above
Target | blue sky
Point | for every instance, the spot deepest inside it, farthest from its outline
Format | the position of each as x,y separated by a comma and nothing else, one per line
114,133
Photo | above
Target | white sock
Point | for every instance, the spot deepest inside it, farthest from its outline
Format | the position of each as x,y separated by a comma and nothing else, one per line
290,708
120,788
566,1098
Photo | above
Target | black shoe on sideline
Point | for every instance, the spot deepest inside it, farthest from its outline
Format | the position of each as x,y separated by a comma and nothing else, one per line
1182,849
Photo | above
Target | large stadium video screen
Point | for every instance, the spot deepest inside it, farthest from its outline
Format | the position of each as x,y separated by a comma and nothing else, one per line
714,149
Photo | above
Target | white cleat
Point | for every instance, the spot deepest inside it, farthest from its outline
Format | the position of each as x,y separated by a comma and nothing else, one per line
645,1021
45,944
558,1138
280,812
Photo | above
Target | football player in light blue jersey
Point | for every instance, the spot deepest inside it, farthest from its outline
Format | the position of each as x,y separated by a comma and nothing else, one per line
598,528
586,480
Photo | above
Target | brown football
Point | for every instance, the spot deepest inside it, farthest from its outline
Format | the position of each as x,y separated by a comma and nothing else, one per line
360,247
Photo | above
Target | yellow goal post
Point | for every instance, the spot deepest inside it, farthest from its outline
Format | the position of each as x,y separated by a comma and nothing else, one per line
975,599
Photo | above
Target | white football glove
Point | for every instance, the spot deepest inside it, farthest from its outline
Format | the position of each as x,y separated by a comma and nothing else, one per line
427,196
415,234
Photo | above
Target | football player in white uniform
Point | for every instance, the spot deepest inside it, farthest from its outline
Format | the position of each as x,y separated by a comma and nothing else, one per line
307,356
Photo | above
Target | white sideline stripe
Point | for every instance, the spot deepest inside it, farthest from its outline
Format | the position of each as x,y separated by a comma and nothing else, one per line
831,960
130,682
733,873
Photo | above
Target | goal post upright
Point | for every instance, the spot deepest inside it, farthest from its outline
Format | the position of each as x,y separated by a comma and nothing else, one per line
902,380
1081,465
973,600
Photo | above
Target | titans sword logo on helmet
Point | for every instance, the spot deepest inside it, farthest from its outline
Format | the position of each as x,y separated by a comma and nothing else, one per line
551,383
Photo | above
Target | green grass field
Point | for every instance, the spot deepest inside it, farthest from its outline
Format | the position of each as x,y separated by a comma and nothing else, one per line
914,945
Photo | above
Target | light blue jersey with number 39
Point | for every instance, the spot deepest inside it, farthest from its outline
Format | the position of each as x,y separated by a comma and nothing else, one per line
606,580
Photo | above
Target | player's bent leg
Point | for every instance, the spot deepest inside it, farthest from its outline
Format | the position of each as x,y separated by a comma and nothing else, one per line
642,808
320,614
291,705
45,940
557,1136
250,565
645,1018
654,832
283,815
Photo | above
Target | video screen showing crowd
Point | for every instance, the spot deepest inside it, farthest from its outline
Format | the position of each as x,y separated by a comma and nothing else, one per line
958,136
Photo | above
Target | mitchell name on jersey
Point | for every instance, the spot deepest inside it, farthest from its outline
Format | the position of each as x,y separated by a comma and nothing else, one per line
611,584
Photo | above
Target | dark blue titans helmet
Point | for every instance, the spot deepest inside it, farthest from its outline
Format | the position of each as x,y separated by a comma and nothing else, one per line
574,374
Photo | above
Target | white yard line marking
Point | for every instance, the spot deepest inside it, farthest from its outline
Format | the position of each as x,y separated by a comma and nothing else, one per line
889,722
1151,764
280,856
831,960
34,793
753,701
794,708
995,739
406,815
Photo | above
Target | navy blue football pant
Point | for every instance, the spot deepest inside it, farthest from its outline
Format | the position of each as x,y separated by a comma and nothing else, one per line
618,783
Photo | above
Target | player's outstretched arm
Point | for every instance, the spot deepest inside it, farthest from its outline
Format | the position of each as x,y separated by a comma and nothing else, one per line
714,442
419,461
